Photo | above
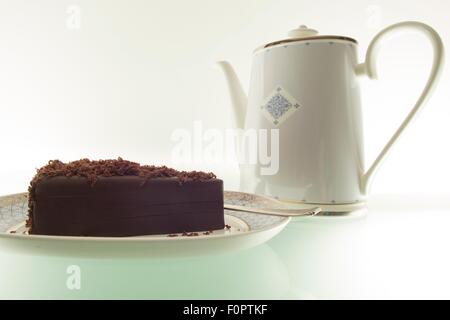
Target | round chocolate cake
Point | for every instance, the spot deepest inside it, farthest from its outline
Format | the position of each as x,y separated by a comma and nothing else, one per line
122,198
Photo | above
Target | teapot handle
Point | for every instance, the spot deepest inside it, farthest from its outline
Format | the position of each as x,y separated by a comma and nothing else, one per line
369,68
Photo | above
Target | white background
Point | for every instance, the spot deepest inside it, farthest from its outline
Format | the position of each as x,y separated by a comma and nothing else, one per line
136,70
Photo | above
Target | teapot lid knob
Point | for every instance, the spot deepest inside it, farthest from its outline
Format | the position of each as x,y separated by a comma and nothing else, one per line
302,32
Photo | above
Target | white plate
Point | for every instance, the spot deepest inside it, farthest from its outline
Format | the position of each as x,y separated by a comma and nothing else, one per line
247,230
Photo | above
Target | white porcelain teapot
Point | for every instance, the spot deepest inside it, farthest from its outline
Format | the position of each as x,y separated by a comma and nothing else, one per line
306,86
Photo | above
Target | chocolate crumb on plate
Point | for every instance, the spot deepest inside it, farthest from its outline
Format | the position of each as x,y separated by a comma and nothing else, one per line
190,234
172,235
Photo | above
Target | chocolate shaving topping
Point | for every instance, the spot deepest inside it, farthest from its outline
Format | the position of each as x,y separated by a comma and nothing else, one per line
93,169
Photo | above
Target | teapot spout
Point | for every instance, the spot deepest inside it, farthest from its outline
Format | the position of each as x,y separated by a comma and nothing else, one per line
237,94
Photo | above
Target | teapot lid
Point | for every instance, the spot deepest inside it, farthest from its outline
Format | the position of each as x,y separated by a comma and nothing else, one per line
303,33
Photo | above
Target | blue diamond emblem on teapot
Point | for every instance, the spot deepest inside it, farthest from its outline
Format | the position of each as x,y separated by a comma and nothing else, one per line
279,106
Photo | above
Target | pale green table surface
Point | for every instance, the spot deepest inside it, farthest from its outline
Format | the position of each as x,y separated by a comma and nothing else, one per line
399,249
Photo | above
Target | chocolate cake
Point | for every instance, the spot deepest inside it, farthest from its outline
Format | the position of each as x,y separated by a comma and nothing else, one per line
118,198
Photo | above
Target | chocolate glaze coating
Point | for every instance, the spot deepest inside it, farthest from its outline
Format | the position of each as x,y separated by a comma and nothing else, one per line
122,206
